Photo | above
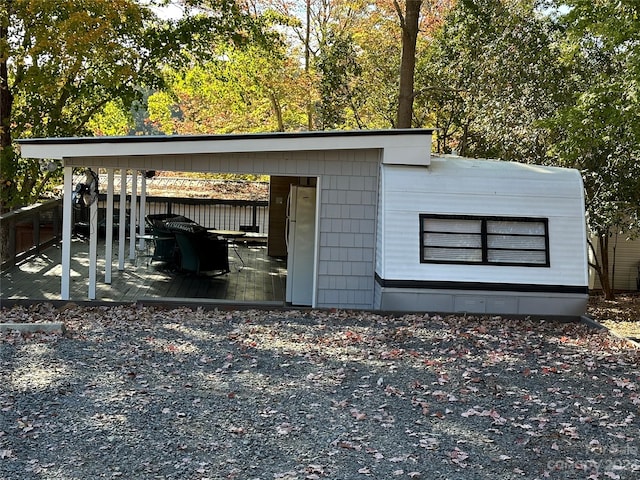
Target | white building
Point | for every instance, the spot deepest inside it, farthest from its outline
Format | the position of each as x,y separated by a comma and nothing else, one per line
394,228
481,236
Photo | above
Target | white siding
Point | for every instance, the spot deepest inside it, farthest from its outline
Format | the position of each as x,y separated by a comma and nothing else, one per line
459,186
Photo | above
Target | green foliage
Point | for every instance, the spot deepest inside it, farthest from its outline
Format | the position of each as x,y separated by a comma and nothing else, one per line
65,62
72,68
377,40
489,77
598,131
70,61
113,120
242,89
338,69
159,110
544,82
205,25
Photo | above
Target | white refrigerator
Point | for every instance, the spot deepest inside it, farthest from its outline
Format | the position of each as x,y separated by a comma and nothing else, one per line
300,236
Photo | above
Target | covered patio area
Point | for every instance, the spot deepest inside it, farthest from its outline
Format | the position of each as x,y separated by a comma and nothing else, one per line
261,280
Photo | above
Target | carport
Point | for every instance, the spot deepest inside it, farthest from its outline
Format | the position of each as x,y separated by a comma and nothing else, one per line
344,168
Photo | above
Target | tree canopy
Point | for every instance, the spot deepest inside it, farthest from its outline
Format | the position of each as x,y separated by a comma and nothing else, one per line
63,63
598,129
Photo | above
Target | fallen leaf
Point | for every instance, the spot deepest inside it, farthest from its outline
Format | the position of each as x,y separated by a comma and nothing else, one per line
358,415
398,459
7,453
458,457
314,468
284,429
429,443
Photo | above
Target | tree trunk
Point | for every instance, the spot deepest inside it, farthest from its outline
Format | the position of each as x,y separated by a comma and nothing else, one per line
603,272
6,97
307,61
462,148
6,104
409,24
277,110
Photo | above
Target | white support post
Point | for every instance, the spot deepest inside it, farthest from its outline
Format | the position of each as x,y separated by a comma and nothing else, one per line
93,247
143,207
123,218
132,217
108,242
67,215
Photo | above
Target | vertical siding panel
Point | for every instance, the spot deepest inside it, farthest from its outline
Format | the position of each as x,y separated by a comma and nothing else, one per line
627,264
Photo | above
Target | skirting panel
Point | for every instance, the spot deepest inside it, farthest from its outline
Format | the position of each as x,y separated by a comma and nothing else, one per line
482,302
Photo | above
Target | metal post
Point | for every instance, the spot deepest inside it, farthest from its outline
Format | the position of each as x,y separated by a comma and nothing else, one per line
255,216
56,222
93,247
143,212
12,247
36,231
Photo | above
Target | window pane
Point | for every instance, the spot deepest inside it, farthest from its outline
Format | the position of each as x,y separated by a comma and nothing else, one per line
511,242
452,254
516,256
516,228
482,240
453,225
452,240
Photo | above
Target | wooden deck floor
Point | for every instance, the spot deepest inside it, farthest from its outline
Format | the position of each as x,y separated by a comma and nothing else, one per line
262,279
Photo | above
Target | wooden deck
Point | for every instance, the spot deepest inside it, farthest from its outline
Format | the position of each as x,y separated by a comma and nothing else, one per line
261,279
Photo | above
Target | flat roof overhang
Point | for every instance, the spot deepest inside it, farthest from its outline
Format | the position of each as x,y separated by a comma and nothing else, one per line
401,146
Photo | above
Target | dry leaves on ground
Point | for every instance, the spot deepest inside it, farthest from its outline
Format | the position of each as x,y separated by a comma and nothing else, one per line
138,392
621,315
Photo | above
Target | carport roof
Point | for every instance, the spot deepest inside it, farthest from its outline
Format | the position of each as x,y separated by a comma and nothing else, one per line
405,140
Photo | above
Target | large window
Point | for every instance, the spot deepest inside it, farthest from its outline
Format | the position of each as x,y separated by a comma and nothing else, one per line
484,240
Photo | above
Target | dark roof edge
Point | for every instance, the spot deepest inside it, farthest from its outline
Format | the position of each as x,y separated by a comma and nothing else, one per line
222,137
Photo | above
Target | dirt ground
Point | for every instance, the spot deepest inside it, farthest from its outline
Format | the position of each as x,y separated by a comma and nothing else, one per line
621,316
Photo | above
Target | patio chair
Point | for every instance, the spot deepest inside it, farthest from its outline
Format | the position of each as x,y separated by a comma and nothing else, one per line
200,252
159,219
165,245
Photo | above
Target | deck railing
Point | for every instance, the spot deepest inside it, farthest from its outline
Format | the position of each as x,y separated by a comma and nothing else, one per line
250,215
29,230
34,228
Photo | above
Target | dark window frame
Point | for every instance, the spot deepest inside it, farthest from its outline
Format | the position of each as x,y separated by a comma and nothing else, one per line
484,240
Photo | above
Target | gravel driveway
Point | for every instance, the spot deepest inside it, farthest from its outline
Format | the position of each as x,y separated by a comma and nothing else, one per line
150,393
